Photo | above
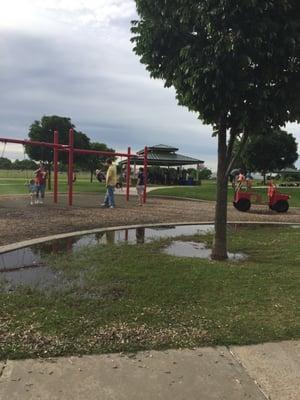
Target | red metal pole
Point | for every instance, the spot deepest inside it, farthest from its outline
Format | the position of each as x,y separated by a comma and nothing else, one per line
128,174
32,142
55,167
145,173
70,169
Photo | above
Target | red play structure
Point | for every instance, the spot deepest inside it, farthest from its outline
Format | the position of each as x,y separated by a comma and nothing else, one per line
275,200
56,146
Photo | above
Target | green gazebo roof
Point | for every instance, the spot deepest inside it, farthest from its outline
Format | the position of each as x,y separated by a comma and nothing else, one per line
164,155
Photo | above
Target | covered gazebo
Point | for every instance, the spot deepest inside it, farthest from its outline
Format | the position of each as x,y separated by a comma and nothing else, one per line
166,156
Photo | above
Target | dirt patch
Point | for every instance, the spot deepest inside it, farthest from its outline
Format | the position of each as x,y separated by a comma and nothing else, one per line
21,221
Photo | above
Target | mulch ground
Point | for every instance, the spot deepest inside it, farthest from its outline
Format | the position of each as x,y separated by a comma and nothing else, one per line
20,221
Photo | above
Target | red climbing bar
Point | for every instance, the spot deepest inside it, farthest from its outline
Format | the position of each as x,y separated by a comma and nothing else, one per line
71,162
128,174
55,166
145,173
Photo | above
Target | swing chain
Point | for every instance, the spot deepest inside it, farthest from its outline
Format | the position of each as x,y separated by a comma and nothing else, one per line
4,148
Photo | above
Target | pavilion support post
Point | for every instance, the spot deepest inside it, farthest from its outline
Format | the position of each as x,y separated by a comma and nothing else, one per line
145,173
55,166
70,169
128,174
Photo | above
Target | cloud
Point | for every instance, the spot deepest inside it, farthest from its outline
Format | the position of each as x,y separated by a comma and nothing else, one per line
96,12
74,58
44,15
100,85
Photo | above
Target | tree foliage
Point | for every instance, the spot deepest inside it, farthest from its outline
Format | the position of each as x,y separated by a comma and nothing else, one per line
235,63
24,165
270,152
5,163
205,173
43,131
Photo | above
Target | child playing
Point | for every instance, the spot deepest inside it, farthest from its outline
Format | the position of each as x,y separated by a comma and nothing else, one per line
32,190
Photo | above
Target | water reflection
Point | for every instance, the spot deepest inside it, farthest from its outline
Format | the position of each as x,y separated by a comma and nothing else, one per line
41,277
32,256
140,235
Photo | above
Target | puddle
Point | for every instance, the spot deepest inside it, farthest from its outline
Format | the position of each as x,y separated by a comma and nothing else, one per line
32,256
196,250
25,266
41,277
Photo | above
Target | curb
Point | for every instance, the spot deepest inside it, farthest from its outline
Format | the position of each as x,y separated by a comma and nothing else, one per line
165,197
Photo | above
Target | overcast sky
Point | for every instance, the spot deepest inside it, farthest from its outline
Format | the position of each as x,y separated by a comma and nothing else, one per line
74,58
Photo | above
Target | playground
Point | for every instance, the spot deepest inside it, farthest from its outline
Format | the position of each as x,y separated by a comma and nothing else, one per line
19,221
106,297
102,295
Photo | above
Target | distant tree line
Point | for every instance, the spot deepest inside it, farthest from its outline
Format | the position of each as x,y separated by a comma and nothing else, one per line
6,163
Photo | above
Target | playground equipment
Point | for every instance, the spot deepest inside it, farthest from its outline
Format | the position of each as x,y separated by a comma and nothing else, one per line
275,200
56,146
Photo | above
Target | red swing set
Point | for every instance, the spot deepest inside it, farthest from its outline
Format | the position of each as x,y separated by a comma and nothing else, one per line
56,146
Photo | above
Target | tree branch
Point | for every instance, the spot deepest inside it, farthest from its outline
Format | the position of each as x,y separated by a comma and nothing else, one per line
233,135
241,147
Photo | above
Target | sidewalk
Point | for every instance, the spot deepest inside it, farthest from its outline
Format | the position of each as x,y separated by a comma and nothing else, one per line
132,189
260,372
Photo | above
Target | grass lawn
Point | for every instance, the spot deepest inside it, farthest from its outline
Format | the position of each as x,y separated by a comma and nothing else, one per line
128,298
207,191
17,186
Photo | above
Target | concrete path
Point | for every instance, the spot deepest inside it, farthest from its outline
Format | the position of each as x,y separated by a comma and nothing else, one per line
268,371
132,189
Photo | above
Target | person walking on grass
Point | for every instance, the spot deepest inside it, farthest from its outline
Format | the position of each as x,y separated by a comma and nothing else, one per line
140,186
111,181
40,181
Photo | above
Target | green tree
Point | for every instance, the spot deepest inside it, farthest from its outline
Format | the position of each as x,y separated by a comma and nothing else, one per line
43,131
236,64
270,152
5,163
205,173
24,165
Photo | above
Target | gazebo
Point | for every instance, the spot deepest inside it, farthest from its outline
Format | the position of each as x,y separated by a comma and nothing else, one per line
166,156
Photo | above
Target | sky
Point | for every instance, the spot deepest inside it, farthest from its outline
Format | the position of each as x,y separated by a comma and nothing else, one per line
74,58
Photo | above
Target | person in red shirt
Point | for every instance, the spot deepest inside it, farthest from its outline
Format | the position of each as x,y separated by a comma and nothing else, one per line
40,181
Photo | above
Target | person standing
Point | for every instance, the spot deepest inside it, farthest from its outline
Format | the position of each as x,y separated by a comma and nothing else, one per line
140,186
40,180
111,181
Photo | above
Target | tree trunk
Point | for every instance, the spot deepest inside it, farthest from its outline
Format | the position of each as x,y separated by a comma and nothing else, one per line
92,174
264,177
219,251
